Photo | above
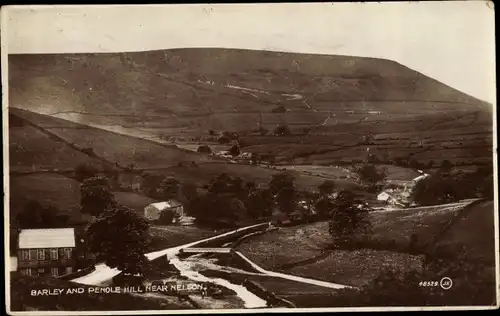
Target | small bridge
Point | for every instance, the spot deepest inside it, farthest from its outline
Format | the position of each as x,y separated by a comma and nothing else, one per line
205,250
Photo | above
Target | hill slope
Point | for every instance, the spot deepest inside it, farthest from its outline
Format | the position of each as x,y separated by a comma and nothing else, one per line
104,145
186,92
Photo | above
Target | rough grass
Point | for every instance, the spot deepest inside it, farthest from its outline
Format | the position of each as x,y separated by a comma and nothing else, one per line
286,245
475,231
391,231
21,299
358,267
397,226
31,150
47,189
134,201
171,236
113,147
147,95
204,173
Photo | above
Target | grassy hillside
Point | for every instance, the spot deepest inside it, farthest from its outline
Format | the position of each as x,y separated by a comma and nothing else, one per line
186,92
475,231
48,189
111,147
31,150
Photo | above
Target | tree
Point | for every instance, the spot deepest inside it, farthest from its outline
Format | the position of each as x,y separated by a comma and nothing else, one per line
234,150
326,188
437,188
204,149
189,192
220,184
259,203
96,196
236,187
324,207
170,188
151,185
282,130
254,158
279,109
224,139
446,166
119,237
166,217
350,218
84,171
36,215
282,186
368,173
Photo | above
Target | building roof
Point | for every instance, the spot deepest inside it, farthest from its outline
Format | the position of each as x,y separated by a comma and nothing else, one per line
47,238
420,177
166,205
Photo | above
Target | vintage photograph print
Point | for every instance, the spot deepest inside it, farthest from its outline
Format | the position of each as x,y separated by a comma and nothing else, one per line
249,158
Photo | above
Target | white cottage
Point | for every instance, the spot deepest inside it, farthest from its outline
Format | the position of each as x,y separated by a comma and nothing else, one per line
153,211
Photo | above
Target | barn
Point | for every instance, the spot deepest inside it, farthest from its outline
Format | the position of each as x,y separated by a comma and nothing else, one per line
153,212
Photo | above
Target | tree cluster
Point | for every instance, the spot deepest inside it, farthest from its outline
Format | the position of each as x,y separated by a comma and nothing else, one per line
117,235
446,186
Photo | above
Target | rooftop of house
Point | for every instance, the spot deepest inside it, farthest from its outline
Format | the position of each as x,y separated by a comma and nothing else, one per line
46,238
166,204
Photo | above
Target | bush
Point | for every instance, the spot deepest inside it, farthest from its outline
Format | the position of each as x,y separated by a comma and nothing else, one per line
204,149
279,109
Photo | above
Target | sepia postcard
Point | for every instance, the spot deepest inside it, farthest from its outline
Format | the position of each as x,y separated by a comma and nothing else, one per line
249,158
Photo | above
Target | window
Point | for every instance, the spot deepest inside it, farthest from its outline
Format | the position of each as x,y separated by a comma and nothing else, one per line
26,271
25,254
67,253
69,270
41,254
54,254
41,271
54,271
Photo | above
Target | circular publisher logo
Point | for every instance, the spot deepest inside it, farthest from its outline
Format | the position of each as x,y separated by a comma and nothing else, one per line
446,283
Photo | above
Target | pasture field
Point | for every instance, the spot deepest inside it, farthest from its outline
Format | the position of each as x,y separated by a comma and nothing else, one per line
47,189
330,172
117,148
286,245
134,201
171,235
399,173
204,173
475,231
391,230
357,267
31,150
397,226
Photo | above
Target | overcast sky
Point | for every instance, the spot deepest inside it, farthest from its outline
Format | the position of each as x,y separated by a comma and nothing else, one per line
450,41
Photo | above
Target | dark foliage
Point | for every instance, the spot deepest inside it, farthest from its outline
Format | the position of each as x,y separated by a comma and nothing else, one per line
119,237
96,196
